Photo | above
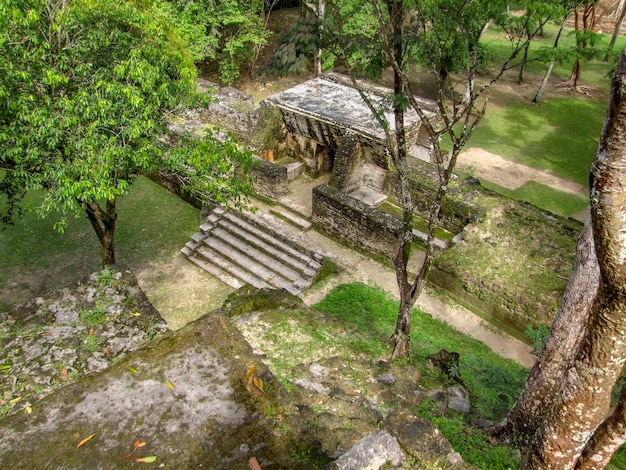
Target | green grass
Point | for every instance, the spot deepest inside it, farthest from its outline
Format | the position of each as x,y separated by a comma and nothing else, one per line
152,223
594,72
545,197
560,136
493,381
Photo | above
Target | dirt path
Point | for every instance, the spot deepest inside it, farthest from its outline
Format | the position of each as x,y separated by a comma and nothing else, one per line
509,174
359,268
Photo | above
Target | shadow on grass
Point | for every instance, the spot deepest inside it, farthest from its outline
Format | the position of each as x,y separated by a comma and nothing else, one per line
152,224
560,136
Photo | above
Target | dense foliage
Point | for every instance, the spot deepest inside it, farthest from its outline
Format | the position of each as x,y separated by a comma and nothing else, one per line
227,31
85,90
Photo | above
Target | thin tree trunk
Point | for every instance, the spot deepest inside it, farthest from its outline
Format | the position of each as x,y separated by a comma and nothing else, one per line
546,77
401,337
618,24
607,439
557,354
585,396
103,223
520,77
321,8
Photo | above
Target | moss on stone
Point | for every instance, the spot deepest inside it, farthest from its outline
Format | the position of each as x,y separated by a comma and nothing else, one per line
250,299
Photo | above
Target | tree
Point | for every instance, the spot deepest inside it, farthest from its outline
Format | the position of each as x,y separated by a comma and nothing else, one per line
579,429
619,15
227,31
442,37
85,88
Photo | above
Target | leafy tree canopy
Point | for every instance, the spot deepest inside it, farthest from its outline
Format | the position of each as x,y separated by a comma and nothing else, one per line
227,31
85,87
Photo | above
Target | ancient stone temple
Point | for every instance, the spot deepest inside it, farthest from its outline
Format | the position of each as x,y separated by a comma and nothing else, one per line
329,128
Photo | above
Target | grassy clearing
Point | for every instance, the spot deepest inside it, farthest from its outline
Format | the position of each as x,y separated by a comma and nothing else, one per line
594,72
152,224
545,197
493,382
560,136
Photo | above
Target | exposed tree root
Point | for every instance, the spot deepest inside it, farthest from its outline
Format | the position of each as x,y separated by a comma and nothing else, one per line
571,87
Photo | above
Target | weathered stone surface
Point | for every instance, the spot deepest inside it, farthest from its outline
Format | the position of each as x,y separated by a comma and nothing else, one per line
185,396
374,451
459,399
354,222
270,180
422,440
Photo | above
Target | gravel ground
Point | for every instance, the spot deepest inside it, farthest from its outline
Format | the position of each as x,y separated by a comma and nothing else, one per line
51,342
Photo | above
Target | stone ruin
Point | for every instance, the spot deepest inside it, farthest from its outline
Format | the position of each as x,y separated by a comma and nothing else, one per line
326,127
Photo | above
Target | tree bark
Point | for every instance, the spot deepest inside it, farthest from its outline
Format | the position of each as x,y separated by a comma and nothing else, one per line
618,24
557,354
606,440
401,337
585,396
103,223
546,77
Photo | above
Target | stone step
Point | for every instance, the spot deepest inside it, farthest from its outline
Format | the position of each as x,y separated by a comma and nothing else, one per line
198,237
306,271
294,170
255,227
439,243
214,258
295,207
290,217
255,254
212,269
242,261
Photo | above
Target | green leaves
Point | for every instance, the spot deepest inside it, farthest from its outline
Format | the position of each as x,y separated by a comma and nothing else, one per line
84,86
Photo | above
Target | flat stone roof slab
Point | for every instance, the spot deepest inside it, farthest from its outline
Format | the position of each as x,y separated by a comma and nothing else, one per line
327,100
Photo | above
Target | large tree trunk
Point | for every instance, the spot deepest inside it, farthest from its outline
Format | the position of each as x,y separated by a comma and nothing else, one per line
585,396
557,355
606,440
103,223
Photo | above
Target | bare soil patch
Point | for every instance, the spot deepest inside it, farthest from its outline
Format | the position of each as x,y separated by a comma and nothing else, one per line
511,175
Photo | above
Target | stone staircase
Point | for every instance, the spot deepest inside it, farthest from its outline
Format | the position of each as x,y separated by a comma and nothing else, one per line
241,248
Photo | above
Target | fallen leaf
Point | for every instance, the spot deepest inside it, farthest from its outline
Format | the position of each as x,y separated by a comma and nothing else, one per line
91,331
64,372
132,369
253,464
170,385
107,352
16,399
136,446
250,371
28,409
136,314
149,459
85,441
258,383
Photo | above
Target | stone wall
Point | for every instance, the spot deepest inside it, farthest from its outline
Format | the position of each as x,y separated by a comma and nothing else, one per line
231,109
354,222
270,180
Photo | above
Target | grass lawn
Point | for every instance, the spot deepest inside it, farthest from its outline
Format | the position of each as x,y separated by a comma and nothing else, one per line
560,136
152,223
494,383
558,202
